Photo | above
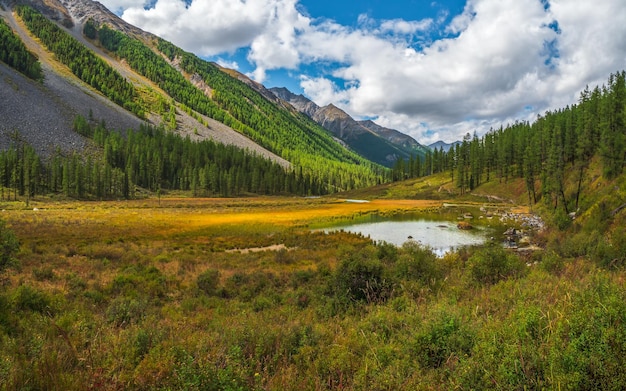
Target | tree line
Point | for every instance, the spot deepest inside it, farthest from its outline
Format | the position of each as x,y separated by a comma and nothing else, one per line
148,159
558,145
13,52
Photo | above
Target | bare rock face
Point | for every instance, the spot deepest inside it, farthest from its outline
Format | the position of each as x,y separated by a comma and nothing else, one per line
83,10
52,9
299,102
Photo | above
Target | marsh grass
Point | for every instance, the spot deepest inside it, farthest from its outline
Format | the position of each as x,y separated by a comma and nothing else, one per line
137,295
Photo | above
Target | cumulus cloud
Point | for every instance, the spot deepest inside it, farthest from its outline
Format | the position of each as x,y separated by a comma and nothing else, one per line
217,26
497,62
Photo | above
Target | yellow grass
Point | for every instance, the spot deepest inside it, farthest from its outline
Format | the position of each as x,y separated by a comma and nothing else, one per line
178,215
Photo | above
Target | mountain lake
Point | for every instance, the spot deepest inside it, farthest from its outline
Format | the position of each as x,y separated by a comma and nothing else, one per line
440,235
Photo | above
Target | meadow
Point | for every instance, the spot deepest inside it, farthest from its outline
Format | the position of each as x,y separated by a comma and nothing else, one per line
188,293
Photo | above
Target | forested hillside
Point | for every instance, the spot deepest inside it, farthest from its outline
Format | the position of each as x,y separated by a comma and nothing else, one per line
552,154
196,88
14,53
237,105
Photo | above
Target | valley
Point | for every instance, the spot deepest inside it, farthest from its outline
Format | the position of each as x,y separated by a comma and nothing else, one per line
163,218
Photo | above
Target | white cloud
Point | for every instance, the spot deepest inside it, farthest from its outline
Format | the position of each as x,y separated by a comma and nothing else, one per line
400,26
214,27
501,56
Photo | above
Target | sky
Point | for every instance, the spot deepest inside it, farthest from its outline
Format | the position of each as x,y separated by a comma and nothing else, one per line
435,70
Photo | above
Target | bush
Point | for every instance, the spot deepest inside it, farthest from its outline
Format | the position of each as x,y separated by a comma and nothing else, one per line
208,281
493,263
9,246
561,220
125,311
360,278
419,263
387,252
552,262
591,349
27,298
443,340
44,274
134,279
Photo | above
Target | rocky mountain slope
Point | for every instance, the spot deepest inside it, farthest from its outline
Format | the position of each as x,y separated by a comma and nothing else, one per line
42,113
377,143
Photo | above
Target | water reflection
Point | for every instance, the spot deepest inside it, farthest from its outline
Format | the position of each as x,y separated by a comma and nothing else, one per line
441,236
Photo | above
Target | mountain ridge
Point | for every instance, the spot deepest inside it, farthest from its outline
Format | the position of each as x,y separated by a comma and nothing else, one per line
382,145
154,82
443,145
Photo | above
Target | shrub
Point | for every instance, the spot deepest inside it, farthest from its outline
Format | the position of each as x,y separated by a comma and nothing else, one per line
134,279
387,252
591,349
5,313
125,311
561,220
44,274
27,298
493,263
208,281
359,278
443,340
552,262
283,256
417,262
9,246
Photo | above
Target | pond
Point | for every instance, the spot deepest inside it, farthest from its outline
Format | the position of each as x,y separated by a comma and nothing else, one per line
440,235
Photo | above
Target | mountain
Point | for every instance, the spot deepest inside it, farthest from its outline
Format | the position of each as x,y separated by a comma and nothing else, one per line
96,66
394,136
381,145
43,113
443,145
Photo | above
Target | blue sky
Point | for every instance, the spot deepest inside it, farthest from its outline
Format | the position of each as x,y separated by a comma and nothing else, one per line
435,70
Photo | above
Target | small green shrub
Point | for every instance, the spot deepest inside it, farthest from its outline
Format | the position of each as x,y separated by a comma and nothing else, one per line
417,263
44,274
360,278
248,286
9,246
552,262
387,252
134,279
443,340
5,313
493,264
27,298
561,220
208,281
283,256
125,311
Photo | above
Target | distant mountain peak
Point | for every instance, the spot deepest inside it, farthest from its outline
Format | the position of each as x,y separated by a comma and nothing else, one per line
443,145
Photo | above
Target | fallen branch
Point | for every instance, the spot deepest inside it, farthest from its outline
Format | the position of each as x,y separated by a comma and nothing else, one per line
616,211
